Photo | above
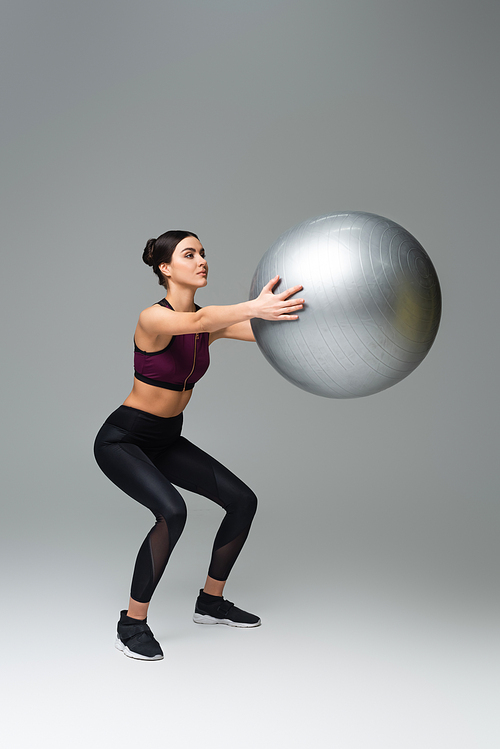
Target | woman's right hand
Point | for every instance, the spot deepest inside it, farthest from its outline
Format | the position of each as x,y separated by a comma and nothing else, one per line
269,306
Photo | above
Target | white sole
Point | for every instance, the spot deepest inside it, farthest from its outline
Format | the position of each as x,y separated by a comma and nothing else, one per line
206,619
124,649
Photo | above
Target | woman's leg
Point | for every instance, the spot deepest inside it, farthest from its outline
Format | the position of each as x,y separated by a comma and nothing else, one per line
137,610
191,468
214,587
133,472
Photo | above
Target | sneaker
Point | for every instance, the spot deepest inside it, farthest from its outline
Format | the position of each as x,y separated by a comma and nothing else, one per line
135,639
219,611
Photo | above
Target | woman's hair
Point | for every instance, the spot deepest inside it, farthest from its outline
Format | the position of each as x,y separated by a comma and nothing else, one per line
160,250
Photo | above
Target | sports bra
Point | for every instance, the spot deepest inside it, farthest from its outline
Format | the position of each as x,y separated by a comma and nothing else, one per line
176,367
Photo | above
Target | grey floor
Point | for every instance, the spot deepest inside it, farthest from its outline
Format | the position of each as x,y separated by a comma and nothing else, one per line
335,664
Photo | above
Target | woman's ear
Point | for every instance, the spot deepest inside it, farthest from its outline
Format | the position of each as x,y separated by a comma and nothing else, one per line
165,269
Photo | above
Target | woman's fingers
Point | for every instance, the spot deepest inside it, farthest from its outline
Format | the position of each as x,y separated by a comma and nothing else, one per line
270,284
283,294
290,303
290,292
279,306
285,308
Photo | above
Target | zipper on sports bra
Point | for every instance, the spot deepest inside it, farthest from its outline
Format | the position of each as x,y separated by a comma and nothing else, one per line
196,336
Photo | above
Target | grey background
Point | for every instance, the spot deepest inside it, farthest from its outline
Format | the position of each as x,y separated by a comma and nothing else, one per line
374,557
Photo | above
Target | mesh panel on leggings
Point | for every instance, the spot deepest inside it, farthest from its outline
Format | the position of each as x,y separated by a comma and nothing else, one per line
151,561
224,558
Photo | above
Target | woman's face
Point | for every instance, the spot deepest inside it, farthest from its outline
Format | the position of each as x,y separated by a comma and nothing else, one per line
188,266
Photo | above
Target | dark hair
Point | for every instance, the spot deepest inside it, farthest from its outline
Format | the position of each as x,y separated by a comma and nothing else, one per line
160,250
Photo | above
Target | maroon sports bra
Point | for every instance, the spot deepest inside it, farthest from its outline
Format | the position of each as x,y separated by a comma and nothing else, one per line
176,367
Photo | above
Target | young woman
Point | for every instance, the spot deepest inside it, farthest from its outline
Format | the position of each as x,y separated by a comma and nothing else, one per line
140,447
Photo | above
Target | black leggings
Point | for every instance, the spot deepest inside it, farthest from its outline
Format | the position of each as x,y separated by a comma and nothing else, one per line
144,455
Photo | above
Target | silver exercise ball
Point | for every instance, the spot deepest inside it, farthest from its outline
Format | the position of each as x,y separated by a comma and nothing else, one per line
372,311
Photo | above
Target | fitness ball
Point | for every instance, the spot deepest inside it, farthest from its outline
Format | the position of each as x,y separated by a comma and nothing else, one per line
372,311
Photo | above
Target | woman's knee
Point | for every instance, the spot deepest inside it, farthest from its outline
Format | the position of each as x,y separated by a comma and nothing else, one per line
176,519
244,502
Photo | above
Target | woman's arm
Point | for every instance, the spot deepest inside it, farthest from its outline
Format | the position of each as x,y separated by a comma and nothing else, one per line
267,306
240,331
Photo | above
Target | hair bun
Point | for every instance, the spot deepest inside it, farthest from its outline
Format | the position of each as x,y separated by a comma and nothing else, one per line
147,255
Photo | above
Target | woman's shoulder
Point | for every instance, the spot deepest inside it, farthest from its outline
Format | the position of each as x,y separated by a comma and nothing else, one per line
153,314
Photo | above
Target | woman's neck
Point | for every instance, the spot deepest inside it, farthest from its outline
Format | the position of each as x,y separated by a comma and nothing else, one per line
182,300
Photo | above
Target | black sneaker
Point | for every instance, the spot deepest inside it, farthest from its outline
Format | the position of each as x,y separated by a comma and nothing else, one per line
135,639
216,610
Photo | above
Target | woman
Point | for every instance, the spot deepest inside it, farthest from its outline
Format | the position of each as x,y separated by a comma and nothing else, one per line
140,448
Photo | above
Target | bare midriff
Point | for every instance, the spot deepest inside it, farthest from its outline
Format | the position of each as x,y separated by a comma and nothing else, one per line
157,401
